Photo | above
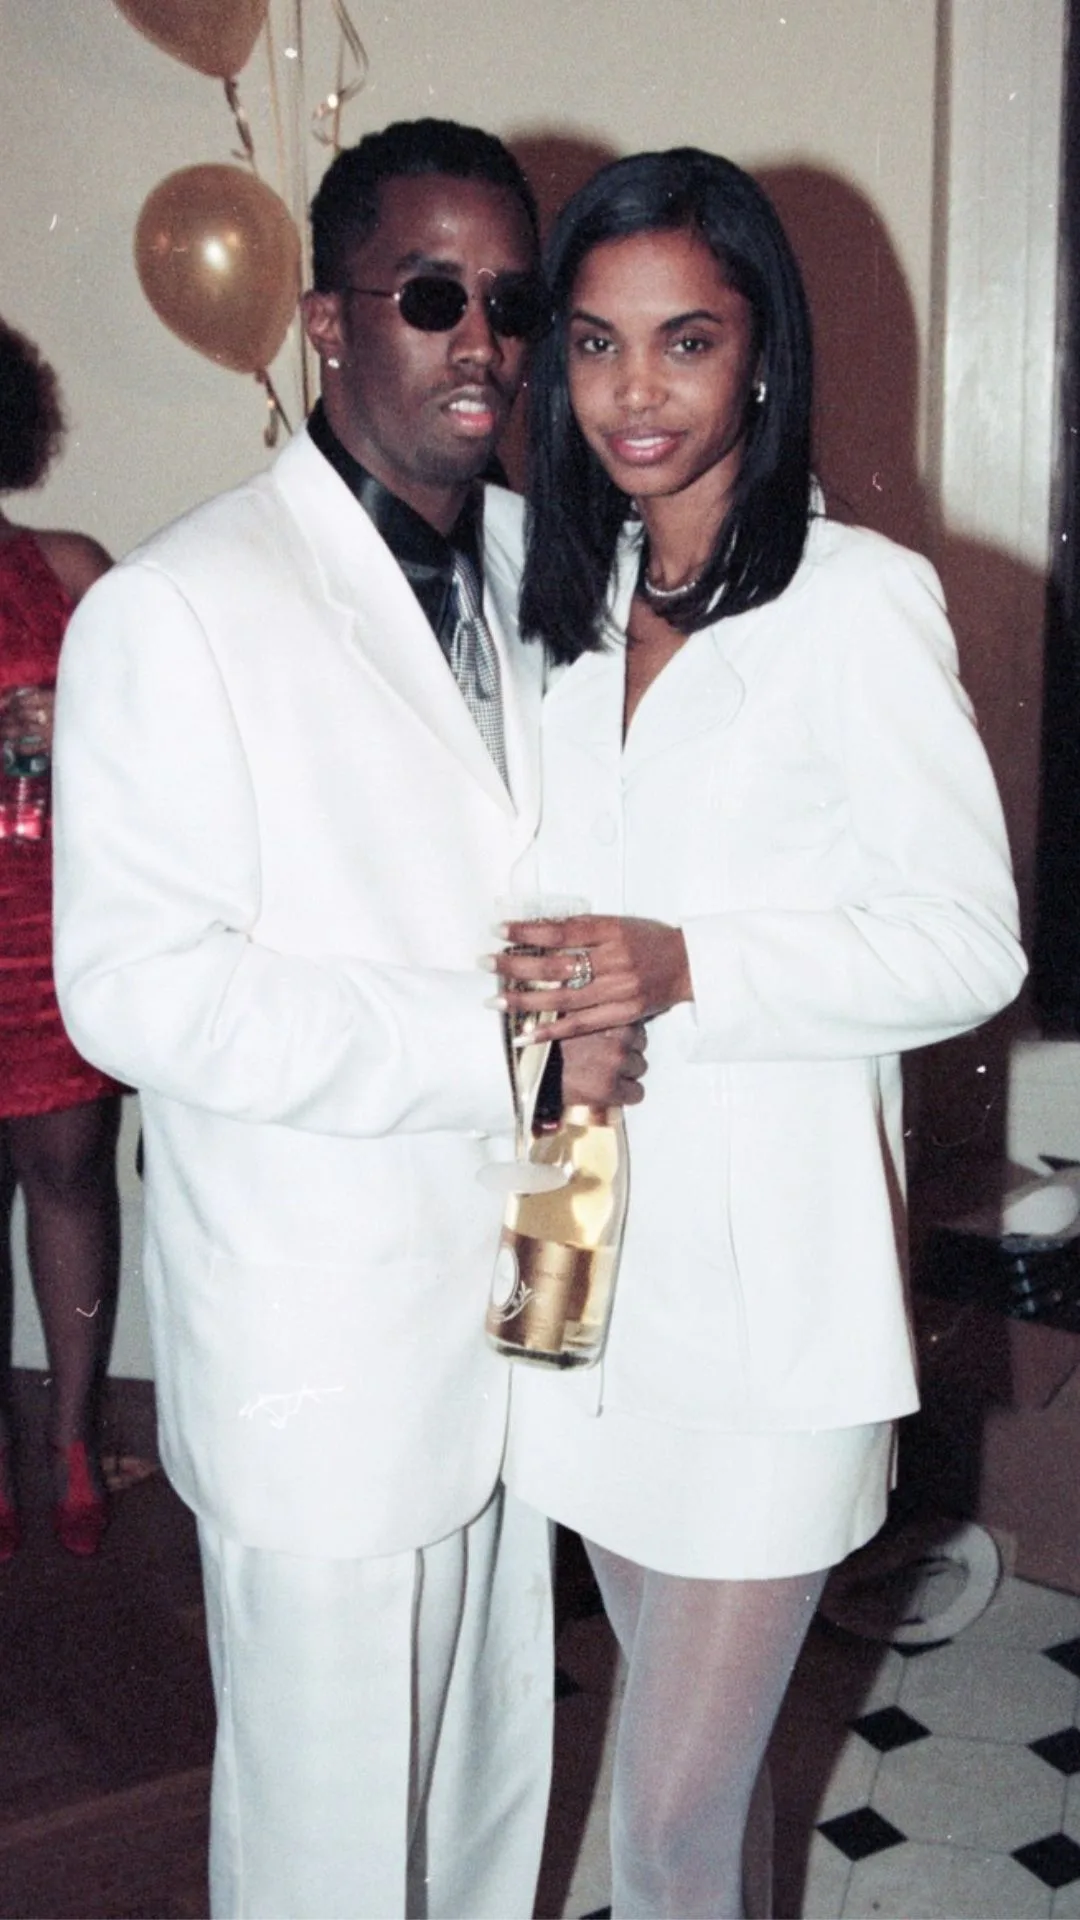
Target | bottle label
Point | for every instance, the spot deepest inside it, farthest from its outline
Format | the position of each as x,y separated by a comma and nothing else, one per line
508,1296
548,1301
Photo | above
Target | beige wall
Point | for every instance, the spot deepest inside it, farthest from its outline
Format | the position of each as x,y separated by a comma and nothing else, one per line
94,116
842,107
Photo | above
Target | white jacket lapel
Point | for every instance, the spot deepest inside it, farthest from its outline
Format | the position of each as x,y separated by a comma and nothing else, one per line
521,666
698,690
380,615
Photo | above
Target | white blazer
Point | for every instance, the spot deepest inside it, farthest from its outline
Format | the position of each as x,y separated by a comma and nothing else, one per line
803,791
279,839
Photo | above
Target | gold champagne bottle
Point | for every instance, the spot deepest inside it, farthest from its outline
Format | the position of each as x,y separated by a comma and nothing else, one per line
559,1251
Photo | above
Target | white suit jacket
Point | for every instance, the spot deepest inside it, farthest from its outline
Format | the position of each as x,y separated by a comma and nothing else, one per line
279,839
804,792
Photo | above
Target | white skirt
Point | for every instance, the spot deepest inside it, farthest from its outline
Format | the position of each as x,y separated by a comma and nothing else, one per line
697,1502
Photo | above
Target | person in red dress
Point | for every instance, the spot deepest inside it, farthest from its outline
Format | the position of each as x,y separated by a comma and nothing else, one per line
58,1115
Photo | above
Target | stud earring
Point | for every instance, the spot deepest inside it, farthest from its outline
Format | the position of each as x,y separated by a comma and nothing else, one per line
759,391
332,362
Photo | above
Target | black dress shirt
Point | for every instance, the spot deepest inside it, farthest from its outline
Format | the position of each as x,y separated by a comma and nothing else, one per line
425,556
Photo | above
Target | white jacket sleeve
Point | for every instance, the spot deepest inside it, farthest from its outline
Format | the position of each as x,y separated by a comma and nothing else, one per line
160,976
928,946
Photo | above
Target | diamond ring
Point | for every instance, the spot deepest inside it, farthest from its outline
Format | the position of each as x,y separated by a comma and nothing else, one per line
582,972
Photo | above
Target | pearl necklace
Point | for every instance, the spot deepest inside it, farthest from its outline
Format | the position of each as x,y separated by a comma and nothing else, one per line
663,596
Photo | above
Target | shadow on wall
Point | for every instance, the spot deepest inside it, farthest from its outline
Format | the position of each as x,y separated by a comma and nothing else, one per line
555,166
866,439
866,352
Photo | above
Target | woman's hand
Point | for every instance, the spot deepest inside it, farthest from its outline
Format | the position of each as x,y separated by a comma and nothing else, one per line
613,972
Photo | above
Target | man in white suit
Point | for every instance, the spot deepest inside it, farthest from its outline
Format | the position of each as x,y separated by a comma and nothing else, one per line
296,760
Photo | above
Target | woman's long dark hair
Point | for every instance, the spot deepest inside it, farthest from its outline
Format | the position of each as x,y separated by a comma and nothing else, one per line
575,510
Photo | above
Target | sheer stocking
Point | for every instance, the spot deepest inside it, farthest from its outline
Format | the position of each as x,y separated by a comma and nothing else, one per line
708,1665
66,1165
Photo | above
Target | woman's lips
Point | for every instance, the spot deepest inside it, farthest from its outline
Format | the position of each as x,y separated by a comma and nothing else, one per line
642,449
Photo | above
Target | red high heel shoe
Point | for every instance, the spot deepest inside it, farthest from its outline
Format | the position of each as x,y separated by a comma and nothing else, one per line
10,1524
81,1516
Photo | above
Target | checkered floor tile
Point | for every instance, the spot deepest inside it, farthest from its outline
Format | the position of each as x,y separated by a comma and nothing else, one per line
939,1782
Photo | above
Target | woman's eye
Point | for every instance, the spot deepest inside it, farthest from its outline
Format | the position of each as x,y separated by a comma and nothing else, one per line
692,343
590,344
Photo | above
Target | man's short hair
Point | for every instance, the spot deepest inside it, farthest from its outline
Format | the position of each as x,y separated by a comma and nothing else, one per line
345,210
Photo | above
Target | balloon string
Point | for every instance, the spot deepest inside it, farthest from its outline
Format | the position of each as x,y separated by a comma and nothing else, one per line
243,125
298,129
329,109
275,412
275,105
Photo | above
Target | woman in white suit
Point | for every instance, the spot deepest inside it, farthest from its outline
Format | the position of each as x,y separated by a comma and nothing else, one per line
761,770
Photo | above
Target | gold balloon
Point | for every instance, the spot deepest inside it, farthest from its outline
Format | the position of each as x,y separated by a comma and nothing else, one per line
218,256
213,36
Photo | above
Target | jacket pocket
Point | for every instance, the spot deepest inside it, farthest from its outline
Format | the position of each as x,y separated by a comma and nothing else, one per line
278,1344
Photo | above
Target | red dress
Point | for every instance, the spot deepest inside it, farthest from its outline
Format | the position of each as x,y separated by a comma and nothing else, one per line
40,1071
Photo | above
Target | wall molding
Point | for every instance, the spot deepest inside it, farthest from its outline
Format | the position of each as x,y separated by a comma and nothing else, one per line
995,279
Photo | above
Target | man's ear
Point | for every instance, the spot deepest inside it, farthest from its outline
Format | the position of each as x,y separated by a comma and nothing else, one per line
322,324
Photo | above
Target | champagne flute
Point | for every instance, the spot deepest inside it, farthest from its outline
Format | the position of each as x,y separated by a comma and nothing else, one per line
527,1053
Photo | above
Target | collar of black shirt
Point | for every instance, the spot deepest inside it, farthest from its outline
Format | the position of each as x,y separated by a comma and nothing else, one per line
425,556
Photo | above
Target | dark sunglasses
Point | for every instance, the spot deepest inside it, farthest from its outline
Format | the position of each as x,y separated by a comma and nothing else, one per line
517,305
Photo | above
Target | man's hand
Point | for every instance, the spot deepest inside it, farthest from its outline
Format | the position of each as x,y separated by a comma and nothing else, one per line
605,1069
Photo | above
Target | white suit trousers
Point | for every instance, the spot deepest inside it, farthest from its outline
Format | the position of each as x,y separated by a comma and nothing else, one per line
384,1726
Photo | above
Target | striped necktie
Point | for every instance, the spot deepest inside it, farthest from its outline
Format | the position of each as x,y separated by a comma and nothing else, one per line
474,662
